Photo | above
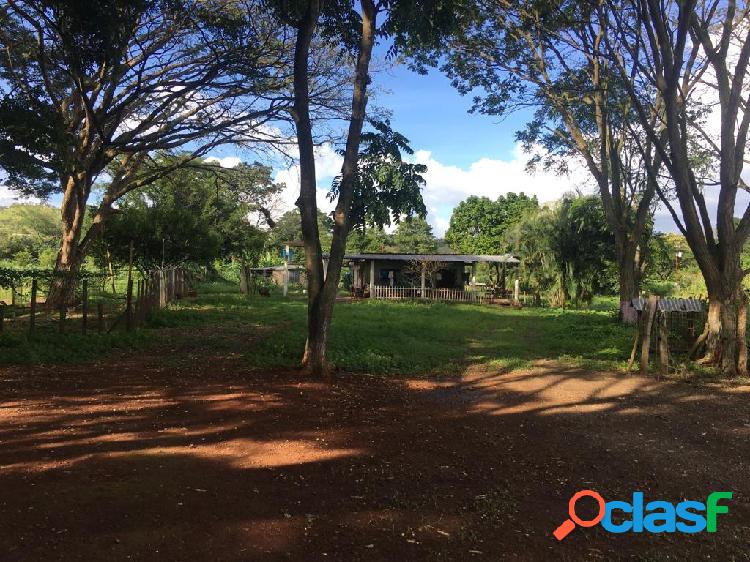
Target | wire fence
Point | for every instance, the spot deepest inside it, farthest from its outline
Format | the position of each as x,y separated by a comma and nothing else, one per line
100,302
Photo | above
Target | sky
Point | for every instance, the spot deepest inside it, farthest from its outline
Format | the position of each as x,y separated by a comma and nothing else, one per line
466,154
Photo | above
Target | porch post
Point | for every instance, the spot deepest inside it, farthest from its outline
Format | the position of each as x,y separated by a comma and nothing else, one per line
474,281
516,291
424,274
286,277
372,275
286,269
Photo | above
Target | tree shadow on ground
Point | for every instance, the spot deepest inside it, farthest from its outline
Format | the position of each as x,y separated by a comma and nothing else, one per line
138,461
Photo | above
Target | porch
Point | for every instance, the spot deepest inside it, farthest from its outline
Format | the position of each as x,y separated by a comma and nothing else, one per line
437,277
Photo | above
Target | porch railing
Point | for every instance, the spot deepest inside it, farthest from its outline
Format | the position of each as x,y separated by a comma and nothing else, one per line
414,293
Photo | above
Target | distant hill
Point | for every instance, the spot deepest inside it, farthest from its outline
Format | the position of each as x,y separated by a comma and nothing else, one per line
28,228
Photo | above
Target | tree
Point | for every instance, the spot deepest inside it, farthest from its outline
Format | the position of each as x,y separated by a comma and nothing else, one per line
478,224
414,236
566,250
672,58
26,231
356,31
385,187
288,228
549,56
95,88
370,240
197,214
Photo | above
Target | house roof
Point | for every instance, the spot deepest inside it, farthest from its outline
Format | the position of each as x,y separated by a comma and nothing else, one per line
466,258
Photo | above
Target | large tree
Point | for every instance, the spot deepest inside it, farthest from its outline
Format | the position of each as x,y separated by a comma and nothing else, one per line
548,56
676,59
92,89
414,236
478,224
566,250
196,214
356,31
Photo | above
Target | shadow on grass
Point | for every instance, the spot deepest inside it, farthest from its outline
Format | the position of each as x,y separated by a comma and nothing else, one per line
367,337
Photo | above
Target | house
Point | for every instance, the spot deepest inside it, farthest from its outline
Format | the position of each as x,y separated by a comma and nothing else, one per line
276,273
427,276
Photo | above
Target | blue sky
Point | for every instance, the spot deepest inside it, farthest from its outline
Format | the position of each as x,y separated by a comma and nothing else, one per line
466,154
432,114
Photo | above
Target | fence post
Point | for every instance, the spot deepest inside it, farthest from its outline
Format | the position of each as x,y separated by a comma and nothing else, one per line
663,345
162,289
32,312
137,313
84,306
100,316
129,306
649,314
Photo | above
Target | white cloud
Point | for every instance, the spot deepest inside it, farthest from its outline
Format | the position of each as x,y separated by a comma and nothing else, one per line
327,166
449,185
8,197
226,162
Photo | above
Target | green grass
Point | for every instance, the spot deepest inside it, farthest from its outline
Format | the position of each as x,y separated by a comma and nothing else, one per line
367,337
49,347
411,337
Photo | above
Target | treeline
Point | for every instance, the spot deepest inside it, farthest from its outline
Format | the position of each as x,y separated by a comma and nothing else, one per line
567,249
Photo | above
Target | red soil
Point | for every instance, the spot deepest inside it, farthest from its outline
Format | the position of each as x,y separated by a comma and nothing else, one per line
133,459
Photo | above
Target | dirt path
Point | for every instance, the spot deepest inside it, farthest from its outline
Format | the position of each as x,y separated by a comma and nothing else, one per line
138,459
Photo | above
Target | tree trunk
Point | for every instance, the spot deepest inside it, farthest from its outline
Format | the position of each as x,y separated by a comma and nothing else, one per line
69,257
725,333
629,283
322,288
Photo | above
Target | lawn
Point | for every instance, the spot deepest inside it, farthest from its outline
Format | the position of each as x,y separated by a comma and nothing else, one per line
367,337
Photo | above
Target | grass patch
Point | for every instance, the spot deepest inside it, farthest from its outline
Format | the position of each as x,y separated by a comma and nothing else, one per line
410,337
49,347
368,337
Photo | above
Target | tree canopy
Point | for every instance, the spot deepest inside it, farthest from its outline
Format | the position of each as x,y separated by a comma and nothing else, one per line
478,224
196,214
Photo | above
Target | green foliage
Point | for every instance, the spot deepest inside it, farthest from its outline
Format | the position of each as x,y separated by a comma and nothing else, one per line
370,240
667,274
661,257
386,188
414,236
566,250
289,229
478,224
26,231
196,214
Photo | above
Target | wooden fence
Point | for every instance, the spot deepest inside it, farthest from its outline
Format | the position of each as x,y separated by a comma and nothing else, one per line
151,291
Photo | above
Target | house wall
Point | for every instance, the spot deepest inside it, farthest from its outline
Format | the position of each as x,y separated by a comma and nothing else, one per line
295,276
404,274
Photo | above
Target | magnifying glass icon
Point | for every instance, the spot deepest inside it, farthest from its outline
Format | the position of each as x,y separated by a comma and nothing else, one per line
569,524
